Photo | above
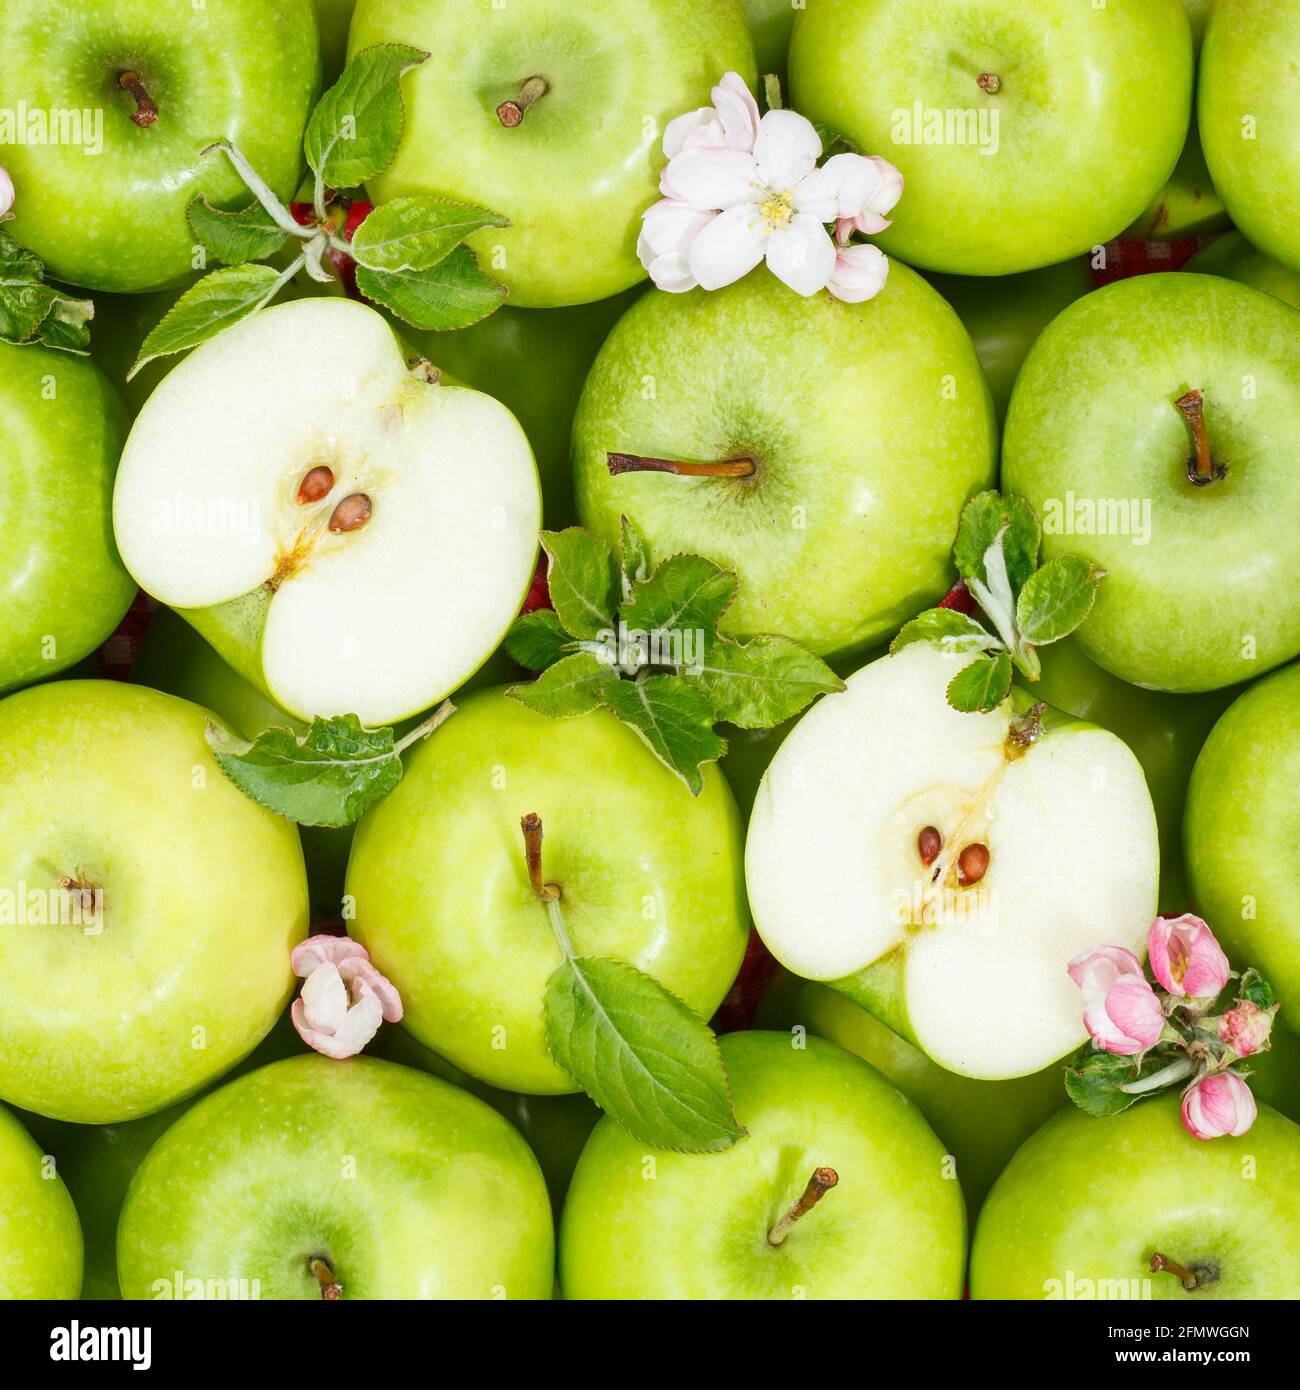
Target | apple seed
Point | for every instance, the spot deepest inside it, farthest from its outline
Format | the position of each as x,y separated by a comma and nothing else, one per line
928,844
351,514
972,864
315,484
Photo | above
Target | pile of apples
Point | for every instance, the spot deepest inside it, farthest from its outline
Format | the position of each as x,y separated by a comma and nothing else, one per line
323,524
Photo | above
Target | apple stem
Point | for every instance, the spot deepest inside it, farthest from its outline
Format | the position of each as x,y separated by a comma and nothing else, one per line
1162,1264
821,1182
511,113
989,82
532,828
724,468
145,113
330,1288
425,727
1200,467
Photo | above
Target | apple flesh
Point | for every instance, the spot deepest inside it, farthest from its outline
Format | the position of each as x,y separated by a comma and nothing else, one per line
892,1226
1233,257
40,1236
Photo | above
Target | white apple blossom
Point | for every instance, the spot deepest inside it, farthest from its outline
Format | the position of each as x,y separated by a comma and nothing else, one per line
731,121
344,998
879,196
860,273
6,192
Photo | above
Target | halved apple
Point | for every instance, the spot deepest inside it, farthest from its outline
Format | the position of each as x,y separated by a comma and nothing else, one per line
941,868
352,534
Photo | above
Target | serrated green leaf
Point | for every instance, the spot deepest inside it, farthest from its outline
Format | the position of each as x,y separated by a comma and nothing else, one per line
1093,1078
251,234
981,686
536,640
947,629
675,721
455,293
356,128
641,1054
762,683
573,685
981,520
685,593
418,232
1255,989
583,581
636,557
1056,599
31,311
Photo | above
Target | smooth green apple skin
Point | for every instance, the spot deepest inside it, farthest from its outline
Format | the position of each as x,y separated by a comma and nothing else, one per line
1248,104
647,1224
869,437
771,22
1187,206
239,71
40,1236
1196,608
333,18
204,898
63,586
408,1187
576,175
649,875
1095,97
1094,1199
1233,257
1239,833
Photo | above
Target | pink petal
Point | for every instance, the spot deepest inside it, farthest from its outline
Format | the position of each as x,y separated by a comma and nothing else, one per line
6,192
860,273
712,179
698,121
324,998
327,1044
1186,958
365,980
737,110
888,191
324,949
1217,1105
786,150
1120,961
801,254
1135,1011
729,247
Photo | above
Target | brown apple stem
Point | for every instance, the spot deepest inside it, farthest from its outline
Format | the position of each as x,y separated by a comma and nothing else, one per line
330,1288
1200,467
532,827
821,1182
988,82
1163,1264
511,113
723,468
145,113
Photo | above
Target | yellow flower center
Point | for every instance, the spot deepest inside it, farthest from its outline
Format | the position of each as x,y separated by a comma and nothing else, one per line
776,209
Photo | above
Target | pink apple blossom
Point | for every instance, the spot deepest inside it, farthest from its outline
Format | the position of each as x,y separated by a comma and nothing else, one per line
6,192
344,998
1218,1104
1245,1028
860,273
883,193
1186,958
1120,1009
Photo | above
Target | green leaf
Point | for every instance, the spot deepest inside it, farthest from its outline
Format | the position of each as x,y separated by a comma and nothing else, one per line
1254,988
1056,599
583,581
31,311
686,592
636,558
1093,1078
984,516
981,686
640,1054
675,721
250,234
455,293
214,303
573,685
946,628
356,128
762,683
537,640
416,233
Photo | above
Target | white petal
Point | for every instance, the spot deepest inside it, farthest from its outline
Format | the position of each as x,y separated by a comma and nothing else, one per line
860,273
889,190
786,149
712,179
729,247
360,1025
802,254
670,226
671,272
737,110
677,130
817,195
325,998
856,180
6,192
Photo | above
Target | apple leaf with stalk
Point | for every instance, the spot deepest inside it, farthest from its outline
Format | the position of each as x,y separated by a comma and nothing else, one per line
32,311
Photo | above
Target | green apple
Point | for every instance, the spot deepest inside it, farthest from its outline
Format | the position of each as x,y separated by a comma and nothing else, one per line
1196,557
351,536
1005,314
660,1225
62,582
151,906
997,114
576,172
982,1122
40,1236
1275,1074
860,430
771,22
1243,809
1233,257
333,17
129,94
1248,103
1085,1204
648,874
942,870
313,1173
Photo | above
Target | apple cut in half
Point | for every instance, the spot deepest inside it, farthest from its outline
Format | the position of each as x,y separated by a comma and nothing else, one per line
351,533
942,868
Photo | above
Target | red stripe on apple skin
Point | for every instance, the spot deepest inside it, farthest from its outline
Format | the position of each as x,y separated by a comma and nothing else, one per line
539,591
959,598
736,1012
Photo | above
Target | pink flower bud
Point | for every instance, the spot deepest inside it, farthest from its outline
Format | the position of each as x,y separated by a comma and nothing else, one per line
1246,1027
344,998
1186,958
6,192
1120,1009
1218,1104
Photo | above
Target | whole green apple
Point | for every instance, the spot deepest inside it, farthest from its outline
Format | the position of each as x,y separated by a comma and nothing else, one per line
128,95
315,1179
1239,834
997,114
843,439
648,874
1233,257
40,1236
889,1223
149,906
1085,1204
1161,445
63,585
553,115
1249,112
982,1122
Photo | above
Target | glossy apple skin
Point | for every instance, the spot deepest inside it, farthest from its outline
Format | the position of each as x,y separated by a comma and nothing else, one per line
1173,614
1247,73
771,22
63,586
870,423
1090,97
333,18
406,1185
239,71
190,967
40,1236
694,1226
1188,205
575,176
1239,834
1233,257
649,874
1094,1199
